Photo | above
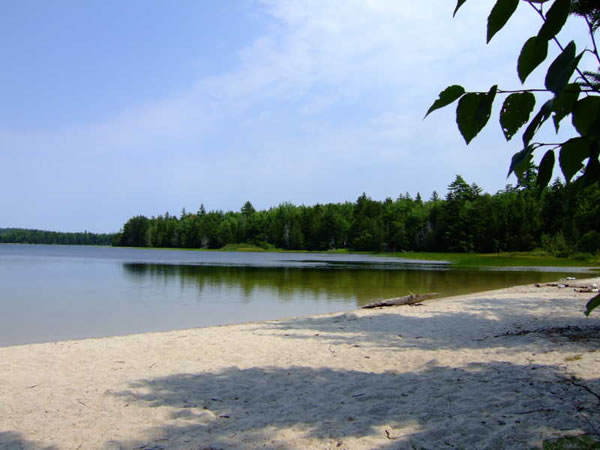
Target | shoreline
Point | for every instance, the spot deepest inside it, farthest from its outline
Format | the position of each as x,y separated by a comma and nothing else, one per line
509,259
258,321
489,369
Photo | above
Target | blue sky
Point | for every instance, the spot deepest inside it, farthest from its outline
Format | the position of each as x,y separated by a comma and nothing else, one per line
116,108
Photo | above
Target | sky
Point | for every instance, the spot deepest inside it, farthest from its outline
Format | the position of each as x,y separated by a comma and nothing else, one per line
111,108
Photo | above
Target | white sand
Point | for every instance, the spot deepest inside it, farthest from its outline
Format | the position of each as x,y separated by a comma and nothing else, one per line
461,372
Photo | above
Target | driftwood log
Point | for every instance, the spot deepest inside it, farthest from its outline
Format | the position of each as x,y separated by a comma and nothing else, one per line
558,285
587,289
578,287
406,300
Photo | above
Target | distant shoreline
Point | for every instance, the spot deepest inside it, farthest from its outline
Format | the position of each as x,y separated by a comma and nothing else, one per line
467,260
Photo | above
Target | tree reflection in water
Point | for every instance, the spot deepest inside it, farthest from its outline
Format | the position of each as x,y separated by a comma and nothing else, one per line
350,282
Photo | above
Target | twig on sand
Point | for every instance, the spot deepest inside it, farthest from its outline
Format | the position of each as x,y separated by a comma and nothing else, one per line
405,300
589,422
573,381
520,413
571,332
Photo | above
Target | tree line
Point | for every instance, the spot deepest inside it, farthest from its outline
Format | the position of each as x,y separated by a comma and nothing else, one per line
27,236
558,219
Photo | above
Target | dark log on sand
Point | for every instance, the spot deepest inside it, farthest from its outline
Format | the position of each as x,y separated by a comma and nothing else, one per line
577,287
406,300
586,289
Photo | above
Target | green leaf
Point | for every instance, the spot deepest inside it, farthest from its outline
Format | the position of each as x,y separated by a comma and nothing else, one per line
537,121
591,173
564,103
533,53
562,68
546,168
458,5
520,161
515,112
500,14
473,113
465,116
485,106
555,19
447,96
592,304
586,116
572,154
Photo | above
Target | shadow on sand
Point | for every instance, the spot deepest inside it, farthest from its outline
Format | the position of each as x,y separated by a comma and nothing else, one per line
487,323
496,405
9,440
480,405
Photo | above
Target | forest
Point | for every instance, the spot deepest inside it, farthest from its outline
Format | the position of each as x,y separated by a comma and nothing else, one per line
559,219
26,236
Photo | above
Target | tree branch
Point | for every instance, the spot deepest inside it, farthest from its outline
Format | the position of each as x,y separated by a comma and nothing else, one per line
519,91
557,42
593,38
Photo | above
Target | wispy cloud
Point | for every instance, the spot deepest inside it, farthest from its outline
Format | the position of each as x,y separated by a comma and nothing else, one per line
326,103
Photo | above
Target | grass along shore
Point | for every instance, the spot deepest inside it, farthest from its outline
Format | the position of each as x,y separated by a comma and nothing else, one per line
509,259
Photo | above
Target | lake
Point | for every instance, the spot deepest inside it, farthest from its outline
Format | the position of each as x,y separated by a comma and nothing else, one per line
50,293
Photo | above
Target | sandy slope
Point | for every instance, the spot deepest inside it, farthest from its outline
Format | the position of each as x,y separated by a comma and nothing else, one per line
488,370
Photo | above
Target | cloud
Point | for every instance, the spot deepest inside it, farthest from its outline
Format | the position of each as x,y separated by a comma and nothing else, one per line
326,102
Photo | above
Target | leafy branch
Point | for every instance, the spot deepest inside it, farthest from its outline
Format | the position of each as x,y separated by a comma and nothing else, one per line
474,108
578,99
560,10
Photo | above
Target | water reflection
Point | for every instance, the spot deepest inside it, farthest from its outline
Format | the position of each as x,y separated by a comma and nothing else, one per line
356,283
55,292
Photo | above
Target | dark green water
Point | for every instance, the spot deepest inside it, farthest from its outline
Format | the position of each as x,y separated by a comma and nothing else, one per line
52,293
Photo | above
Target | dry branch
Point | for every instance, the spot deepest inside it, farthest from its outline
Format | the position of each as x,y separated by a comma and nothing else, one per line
406,300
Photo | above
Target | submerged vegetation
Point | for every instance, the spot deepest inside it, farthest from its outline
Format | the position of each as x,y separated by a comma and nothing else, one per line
559,220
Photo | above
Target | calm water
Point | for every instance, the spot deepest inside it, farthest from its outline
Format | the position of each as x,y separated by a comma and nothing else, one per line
50,293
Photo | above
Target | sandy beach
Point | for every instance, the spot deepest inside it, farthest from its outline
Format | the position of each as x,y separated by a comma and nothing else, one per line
499,369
